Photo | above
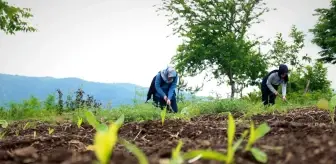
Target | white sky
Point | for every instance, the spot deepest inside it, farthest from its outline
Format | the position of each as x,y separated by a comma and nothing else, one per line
101,40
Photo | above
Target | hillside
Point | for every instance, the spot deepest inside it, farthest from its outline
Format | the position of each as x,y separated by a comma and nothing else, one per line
17,88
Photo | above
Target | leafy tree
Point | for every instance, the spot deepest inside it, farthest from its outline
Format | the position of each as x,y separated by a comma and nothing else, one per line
283,52
215,36
12,19
325,33
50,102
316,75
183,87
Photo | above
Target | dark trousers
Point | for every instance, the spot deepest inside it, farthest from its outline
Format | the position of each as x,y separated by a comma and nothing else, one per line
160,102
267,96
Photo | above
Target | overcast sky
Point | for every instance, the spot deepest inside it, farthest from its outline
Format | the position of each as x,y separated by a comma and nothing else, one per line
102,40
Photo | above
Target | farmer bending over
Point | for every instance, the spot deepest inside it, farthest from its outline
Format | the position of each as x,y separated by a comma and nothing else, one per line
270,83
163,88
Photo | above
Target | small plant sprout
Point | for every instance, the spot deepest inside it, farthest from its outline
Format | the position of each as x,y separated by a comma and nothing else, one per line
25,126
255,134
94,123
135,150
3,123
104,141
79,121
2,134
214,155
17,132
177,157
34,135
163,115
50,130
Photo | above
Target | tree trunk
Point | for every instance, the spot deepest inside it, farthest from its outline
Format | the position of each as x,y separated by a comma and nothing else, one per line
233,89
307,87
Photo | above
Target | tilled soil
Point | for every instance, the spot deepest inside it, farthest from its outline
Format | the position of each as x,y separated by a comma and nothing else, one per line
299,136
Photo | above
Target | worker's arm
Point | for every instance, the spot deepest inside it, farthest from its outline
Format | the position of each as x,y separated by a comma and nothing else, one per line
157,85
172,88
268,83
284,87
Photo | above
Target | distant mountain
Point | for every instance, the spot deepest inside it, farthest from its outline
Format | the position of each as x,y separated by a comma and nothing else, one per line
16,88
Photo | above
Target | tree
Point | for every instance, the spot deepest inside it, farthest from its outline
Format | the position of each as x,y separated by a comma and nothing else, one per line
315,74
215,36
12,19
324,33
282,52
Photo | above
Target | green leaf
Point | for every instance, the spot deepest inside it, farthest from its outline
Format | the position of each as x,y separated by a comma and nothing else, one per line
102,127
230,134
261,131
3,123
333,103
91,119
136,151
120,120
176,155
239,141
205,154
259,155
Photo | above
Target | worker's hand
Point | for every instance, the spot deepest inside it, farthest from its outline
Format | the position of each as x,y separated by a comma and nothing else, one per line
284,98
165,98
168,102
276,93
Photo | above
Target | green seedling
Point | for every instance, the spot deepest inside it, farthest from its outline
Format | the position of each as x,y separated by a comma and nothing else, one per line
2,134
163,115
177,157
25,126
256,134
50,130
17,132
135,150
94,123
3,123
228,158
79,122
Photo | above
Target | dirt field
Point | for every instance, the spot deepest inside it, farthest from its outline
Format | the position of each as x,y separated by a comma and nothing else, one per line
301,136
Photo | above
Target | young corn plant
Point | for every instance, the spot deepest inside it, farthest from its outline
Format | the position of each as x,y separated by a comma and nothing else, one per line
79,122
25,126
94,122
256,134
50,130
3,123
227,158
104,142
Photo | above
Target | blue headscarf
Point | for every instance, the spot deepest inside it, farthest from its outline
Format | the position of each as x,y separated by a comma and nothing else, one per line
168,72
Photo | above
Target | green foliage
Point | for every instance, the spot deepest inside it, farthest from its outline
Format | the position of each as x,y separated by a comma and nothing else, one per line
12,19
215,37
50,102
256,134
315,75
325,33
283,52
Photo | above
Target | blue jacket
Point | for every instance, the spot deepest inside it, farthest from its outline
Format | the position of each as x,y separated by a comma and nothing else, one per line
164,90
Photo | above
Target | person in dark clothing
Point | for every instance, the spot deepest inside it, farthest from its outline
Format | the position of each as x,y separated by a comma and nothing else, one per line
271,82
163,89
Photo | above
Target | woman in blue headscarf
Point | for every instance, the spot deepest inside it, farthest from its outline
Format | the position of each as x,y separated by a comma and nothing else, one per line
163,88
